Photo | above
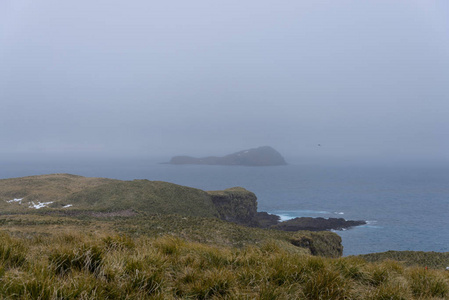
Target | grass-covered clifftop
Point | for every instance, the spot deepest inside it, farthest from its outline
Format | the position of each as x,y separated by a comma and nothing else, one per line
147,196
70,192
44,188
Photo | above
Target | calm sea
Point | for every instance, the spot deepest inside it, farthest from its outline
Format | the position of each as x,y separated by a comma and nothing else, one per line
406,205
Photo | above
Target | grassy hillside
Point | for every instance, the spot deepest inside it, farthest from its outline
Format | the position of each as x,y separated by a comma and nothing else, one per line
147,196
43,188
70,192
100,265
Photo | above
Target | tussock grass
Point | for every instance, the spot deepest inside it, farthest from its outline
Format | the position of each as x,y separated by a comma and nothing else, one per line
79,258
412,258
218,232
12,251
76,265
428,283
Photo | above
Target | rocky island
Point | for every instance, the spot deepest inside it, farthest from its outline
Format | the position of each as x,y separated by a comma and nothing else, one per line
261,156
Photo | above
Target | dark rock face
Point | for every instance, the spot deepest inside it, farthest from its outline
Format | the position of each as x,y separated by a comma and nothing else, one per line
316,224
239,205
266,220
262,156
236,205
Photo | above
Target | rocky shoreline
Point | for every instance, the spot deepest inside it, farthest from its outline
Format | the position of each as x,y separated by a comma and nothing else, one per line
266,220
238,205
317,224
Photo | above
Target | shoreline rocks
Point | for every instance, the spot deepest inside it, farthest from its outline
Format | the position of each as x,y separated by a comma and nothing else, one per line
266,220
317,224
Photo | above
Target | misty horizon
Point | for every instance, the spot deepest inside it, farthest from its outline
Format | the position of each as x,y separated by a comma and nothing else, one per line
364,79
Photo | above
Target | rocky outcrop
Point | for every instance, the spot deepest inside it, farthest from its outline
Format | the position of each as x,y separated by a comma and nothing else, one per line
266,220
239,205
262,156
236,205
316,224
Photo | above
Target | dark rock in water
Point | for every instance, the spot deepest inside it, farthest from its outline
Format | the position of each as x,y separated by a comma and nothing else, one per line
316,224
266,220
262,156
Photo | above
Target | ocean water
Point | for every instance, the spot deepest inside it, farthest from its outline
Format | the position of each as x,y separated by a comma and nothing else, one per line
406,205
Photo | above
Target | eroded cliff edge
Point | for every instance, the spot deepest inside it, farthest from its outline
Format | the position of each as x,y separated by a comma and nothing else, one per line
236,205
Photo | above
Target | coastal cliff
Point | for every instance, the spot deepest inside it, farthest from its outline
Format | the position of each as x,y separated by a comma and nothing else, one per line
228,217
239,206
71,194
261,156
236,205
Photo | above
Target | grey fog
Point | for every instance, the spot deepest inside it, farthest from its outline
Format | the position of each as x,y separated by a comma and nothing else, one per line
318,79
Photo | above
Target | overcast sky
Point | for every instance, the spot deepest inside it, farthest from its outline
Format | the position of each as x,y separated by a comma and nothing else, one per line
142,77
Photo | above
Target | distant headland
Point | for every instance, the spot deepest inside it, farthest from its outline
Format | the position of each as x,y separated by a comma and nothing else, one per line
261,156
